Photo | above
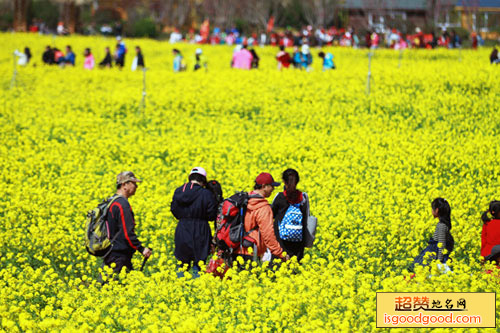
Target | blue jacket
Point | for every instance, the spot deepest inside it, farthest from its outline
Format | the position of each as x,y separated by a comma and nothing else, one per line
70,58
193,206
328,61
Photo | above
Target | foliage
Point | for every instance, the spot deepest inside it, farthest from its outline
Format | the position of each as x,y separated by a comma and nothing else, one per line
145,28
371,165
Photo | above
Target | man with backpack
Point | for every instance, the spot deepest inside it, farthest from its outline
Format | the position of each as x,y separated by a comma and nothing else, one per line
259,222
120,218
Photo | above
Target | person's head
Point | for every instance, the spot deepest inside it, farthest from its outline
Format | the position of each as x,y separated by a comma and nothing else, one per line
198,174
198,52
282,47
290,179
27,51
176,51
441,209
68,48
107,49
138,49
321,55
215,187
265,184
493,212
117,46
87,52
305,49
47,48
126,183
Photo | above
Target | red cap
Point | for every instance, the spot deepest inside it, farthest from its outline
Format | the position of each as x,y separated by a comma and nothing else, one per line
266,179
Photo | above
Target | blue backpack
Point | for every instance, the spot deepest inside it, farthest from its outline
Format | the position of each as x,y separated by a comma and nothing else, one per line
290,227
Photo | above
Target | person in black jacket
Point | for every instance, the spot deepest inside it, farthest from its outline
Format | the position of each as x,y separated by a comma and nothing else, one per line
121,220
107,61
281,203
48,56
193,205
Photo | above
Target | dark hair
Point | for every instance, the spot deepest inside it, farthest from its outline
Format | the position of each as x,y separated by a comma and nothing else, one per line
214,187
288,175
321,54
27,52
176,51
118,186
199,178
282,47
257,186
68,46
444,211
494,210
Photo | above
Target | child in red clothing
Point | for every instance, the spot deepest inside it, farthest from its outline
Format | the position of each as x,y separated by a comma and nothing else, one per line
490,235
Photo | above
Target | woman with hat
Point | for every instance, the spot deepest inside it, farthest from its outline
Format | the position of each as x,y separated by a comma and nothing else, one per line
193,205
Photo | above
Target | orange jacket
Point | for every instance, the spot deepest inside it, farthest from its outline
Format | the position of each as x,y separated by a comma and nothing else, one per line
259,216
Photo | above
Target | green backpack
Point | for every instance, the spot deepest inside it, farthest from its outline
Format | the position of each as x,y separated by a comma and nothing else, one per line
97,240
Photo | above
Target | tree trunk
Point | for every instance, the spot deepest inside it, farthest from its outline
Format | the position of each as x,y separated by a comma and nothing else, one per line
20,7
69,16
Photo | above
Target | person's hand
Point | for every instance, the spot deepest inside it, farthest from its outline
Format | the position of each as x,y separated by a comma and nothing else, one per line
146,252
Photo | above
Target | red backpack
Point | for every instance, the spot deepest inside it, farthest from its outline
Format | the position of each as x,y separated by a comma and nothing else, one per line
231,232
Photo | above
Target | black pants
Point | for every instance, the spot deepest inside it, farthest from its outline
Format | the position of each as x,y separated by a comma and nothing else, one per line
121,260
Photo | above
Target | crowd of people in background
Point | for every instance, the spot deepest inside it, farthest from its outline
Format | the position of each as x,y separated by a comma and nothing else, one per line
245,54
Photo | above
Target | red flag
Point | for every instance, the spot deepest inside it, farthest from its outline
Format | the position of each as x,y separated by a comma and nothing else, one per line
205,29
270,24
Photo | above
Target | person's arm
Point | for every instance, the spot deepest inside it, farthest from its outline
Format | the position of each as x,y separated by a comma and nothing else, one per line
484,239
440,237
264,219
211,206
174,207
126,221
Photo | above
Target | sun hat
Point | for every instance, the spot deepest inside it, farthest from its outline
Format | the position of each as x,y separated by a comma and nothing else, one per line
198,170
126,176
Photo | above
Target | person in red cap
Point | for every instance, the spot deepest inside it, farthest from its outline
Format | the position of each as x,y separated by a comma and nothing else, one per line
259,221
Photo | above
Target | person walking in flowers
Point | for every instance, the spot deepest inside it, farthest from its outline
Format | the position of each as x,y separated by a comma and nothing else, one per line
290,202
193,205
490,233
259,222
442,242
121,223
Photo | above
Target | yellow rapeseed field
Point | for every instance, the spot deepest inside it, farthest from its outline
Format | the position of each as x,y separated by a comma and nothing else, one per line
371,165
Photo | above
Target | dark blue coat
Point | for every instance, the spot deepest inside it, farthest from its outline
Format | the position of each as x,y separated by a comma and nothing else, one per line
193,206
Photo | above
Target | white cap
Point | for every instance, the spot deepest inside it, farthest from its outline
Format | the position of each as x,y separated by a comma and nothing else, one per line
305,49
198,51
118,38
198,170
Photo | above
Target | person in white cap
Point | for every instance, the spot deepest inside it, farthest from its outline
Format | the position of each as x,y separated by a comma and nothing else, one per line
199,60
193,205
305,58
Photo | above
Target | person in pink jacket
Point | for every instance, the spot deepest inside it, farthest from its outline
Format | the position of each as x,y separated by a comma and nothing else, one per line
242,59
259,221
89,62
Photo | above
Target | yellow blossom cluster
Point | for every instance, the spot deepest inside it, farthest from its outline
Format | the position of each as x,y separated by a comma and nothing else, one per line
371,165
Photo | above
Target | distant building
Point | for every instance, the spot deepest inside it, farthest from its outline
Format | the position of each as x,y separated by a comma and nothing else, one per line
479,15
379,15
